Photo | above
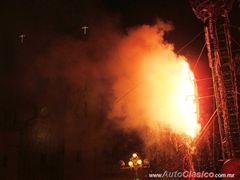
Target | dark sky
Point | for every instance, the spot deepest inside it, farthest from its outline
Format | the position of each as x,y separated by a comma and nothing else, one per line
48,17
45,21
68,16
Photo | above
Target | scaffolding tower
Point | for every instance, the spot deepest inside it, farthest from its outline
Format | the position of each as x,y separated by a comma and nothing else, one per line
214,14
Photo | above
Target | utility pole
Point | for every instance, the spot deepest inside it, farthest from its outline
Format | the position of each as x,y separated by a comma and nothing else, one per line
22,36
84,30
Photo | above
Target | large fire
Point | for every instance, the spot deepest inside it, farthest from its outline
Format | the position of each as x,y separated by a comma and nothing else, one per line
158,85
186,100
172,95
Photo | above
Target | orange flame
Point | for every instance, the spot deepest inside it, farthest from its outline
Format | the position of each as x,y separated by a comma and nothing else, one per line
166,94
186,101
177,89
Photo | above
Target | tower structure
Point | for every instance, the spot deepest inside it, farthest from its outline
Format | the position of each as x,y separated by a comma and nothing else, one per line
214,14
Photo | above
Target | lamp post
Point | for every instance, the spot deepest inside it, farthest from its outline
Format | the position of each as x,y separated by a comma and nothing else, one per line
135,163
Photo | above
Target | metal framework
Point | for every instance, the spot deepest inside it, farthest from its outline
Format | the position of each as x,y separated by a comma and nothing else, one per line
214,13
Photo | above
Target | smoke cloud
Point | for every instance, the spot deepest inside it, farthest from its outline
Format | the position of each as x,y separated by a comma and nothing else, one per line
110,80
150,80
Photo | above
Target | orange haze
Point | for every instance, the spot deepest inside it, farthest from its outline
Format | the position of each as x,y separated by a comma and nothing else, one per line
154,87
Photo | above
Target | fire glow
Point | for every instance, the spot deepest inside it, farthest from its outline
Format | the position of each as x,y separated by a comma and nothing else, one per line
176,88
165,93
187,101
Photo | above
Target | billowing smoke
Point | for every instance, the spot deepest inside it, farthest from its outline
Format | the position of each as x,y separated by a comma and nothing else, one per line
130,80
152,85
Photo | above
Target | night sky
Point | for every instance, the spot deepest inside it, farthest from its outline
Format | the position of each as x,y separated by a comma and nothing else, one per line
44,21
67,17
36,74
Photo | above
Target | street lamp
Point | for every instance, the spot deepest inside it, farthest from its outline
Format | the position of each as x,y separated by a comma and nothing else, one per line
135,163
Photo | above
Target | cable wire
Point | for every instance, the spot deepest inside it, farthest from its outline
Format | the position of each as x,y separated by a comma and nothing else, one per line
200,55
237,43
236,27
205,128
187,44
126,93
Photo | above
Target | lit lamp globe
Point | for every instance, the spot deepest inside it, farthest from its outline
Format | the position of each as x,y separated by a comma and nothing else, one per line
139,162
134,155
130,163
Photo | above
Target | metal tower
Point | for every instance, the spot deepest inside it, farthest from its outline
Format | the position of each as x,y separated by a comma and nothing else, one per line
214,13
